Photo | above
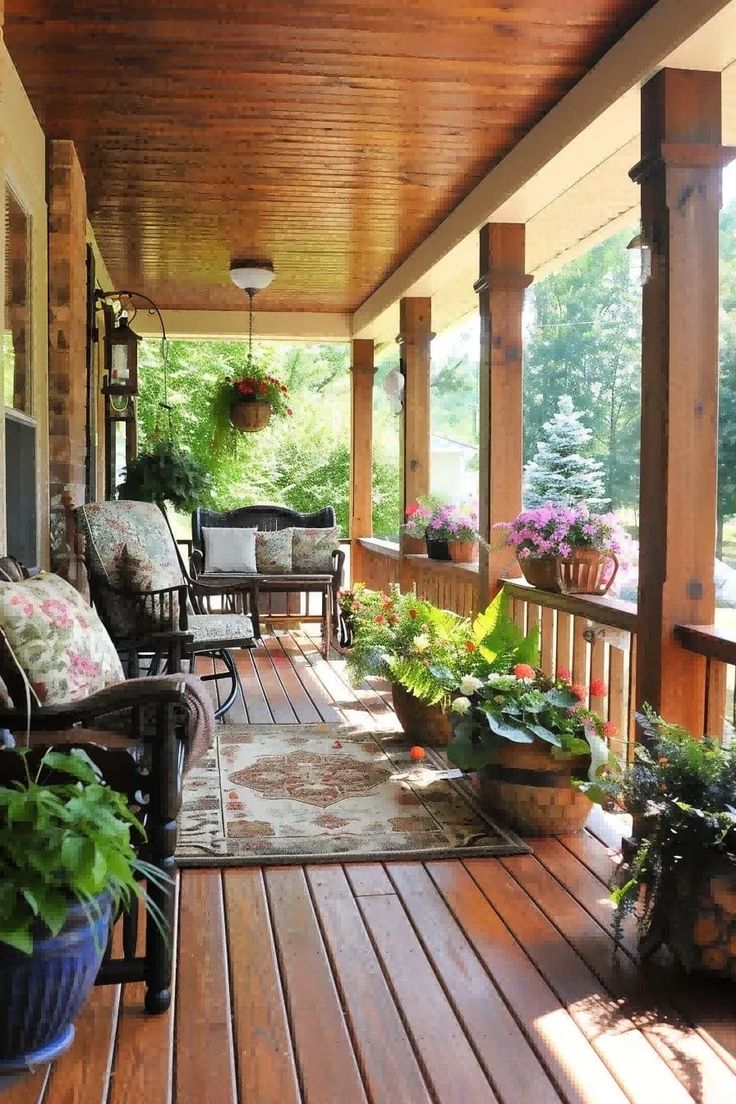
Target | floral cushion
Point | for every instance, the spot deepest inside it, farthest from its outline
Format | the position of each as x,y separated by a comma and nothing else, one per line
108,527
273,552
57,640
139,574
312,550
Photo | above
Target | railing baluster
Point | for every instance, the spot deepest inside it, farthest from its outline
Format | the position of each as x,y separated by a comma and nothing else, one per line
580,652
563,658
715,700
547,650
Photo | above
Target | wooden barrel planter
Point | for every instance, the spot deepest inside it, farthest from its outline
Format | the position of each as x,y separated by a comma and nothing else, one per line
250,416
422,724
530,791
463,551
710,945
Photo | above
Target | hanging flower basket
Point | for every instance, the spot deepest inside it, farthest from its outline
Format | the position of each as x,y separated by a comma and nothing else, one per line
250,416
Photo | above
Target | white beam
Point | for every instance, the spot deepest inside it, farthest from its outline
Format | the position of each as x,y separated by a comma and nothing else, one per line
233,325
598,115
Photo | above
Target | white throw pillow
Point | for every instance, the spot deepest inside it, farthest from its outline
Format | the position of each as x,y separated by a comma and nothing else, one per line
231,550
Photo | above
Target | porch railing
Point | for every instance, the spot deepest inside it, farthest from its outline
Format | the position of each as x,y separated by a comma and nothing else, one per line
718,645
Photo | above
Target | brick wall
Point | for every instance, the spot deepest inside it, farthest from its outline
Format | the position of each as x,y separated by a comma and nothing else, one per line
67,213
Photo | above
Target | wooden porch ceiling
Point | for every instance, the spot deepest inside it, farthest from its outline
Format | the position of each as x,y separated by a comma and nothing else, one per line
330,138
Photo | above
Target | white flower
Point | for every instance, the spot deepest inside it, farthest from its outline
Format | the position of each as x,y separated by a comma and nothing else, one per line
421,643
461,705
469,684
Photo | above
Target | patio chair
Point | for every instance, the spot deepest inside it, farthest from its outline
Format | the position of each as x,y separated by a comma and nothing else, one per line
144,734
148,602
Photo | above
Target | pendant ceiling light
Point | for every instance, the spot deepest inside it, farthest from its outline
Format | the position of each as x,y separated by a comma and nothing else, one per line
251,277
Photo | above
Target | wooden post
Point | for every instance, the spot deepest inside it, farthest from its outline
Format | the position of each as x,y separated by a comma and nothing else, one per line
414,339
501,285
362,371
680,177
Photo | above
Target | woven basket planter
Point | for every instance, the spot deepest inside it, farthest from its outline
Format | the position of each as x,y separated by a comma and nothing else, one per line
530,791
711,945
463,551
541,572
587,572
250,416
423,724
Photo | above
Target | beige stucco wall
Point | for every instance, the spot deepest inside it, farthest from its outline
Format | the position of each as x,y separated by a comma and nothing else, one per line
23,165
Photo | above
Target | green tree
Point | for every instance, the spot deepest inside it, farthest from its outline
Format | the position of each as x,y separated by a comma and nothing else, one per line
559,472
584,339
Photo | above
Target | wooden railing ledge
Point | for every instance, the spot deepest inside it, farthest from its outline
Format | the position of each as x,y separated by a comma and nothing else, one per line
604,610
713,641
382,547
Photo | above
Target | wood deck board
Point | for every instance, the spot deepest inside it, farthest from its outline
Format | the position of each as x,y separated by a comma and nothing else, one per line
401,982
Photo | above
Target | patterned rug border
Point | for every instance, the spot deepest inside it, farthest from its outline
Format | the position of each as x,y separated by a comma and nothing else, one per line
509,842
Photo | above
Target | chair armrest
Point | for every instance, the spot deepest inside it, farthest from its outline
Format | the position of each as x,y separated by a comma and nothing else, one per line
338,568
196,563
158,690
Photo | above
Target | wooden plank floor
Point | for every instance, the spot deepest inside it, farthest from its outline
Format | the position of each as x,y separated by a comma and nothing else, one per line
404,983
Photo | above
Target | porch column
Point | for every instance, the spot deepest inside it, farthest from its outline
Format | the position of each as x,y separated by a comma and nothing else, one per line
362,372
67,225
415,336
501,285
680,177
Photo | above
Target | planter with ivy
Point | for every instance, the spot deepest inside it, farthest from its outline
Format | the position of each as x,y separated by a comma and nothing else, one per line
68,861
680,875
167,474
248,402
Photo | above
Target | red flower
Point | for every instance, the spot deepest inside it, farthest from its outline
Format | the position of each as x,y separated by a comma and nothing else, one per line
393,619
523,671
284,388
262,387
579,691
470,646
609,730
289,411
598,688
412,614
380,620
412,508
564,673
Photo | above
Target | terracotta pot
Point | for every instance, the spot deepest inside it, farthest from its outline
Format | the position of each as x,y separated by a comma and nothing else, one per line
587,572
710,945
526,788
541,572
463,551
437,549
250,416
422,724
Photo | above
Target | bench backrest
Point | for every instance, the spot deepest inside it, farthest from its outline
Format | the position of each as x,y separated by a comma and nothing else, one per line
264,518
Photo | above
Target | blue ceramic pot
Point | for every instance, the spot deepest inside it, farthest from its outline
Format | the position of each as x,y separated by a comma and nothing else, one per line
41,994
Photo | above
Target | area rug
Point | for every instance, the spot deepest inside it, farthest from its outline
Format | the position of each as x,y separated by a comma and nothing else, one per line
328,793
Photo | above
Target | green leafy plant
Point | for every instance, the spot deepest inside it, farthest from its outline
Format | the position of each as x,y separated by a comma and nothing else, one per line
683,793
167,474
65,836
524,706
255,385
428,650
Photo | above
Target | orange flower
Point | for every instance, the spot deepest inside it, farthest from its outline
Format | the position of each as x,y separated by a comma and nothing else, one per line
598,688
470,646
417,753
380,620
609,730
523,671
564,673
412,613
579,691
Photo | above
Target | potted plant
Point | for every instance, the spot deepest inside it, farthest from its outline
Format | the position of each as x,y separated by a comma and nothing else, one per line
680,876
450,531
565,548
166,473
532,741
348,604
68,864
247,402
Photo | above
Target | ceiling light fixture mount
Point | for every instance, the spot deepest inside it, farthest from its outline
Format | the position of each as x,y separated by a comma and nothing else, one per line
251,276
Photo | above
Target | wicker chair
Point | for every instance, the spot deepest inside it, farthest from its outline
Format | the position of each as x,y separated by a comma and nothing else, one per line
157,609
143,734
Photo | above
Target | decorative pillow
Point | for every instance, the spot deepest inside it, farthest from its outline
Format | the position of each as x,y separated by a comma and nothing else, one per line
138,573
312,550
230,550
57,640
273,552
